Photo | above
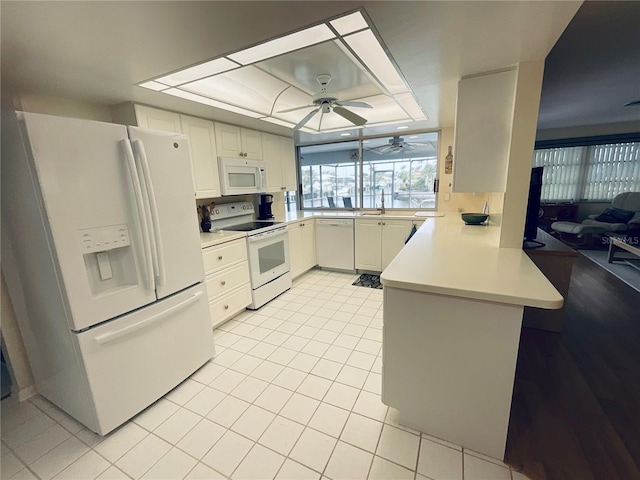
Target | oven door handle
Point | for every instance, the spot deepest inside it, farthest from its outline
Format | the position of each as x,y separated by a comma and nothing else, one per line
267,235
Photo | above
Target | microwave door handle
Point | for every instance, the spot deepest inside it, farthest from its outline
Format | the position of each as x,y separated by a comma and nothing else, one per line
155,220
142,216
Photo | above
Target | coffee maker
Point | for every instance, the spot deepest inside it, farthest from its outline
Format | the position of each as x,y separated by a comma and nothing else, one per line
264,209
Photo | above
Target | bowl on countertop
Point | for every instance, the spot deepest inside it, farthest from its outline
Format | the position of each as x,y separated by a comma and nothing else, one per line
474,218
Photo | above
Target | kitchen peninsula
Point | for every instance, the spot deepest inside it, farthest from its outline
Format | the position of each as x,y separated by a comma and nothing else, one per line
453,306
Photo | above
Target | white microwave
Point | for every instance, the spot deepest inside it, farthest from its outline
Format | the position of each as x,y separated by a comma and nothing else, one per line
241,176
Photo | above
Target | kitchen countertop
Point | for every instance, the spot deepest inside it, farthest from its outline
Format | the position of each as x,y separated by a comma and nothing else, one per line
447,257
301,215
211,239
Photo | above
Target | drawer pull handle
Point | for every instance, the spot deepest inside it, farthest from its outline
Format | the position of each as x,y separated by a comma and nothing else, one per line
223,283
226,307
220,257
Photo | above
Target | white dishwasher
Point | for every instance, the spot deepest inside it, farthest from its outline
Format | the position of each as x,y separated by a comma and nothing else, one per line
335,243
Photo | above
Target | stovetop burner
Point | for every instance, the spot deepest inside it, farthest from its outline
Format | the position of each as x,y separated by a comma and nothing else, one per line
247,227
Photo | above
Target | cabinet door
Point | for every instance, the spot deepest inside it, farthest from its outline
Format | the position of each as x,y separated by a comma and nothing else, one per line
271,150
228,140
204,157
394,235
289,170
368,245
484,116
157,119
251,144
308,240
295,249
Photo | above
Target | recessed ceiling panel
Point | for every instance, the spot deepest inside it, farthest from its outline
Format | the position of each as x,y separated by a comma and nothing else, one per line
292,98
247,87
300,69
385,109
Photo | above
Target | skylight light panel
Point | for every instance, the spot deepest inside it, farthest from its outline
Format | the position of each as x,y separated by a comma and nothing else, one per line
158,87
349,23
176,92
366,46
288,43
407,102
197,72
247,87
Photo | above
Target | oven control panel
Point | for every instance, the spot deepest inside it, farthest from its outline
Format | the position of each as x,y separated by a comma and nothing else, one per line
230,210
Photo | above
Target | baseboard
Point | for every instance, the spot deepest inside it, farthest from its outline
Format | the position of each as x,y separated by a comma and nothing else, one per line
25,393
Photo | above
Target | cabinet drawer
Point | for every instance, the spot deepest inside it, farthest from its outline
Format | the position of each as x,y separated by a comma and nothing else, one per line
228,305
222,282
224,255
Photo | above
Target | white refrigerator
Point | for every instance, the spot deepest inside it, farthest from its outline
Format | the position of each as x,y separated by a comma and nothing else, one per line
105,263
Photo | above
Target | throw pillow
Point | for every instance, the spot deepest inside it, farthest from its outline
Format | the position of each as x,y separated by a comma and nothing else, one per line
615,215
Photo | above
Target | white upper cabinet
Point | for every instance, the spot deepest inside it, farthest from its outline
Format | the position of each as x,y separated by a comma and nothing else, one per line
484,117
289,170
279,154
157,119
201,135
204,157
234,142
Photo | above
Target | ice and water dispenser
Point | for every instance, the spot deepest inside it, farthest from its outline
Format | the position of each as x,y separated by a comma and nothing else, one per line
108,258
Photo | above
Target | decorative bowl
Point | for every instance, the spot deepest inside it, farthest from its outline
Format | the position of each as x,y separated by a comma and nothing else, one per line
474,218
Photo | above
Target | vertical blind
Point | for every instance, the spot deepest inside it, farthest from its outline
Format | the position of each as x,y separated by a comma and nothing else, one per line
591,173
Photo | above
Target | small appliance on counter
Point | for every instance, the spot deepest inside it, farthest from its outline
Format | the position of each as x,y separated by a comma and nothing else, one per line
264,209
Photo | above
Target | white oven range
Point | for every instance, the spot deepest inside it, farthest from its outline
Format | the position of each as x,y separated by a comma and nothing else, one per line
267,250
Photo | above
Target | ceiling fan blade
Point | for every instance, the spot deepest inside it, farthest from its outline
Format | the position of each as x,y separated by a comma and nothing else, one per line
353,104
352,117
380,150
307,117
295,108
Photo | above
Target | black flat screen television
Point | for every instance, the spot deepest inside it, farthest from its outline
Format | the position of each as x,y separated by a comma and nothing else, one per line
533,209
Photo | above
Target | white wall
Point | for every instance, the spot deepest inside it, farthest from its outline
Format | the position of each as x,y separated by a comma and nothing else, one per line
62,107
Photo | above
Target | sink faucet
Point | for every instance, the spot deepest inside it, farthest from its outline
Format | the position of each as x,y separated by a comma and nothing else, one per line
382,210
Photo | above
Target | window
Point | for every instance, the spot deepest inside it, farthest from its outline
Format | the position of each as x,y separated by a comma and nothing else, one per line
333,176
589,172
291,201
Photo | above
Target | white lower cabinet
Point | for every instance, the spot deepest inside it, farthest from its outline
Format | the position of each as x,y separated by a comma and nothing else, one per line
378,241
227,280
302,246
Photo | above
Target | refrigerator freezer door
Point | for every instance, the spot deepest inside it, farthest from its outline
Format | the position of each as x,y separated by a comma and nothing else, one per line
165,162
88,203
134,360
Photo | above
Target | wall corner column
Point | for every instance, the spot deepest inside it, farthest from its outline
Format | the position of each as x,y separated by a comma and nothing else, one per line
523,133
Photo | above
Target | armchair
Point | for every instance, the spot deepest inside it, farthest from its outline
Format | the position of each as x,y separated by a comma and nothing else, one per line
622,217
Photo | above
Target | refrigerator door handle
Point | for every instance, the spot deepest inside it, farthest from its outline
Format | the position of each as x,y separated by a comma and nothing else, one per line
155,221
117,334
142,216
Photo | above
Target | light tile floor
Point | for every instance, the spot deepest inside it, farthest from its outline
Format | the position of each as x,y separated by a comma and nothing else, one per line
292,393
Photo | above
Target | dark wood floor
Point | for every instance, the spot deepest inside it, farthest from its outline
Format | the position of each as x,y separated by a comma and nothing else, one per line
576,402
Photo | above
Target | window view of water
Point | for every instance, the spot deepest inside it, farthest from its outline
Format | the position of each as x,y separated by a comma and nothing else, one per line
403,167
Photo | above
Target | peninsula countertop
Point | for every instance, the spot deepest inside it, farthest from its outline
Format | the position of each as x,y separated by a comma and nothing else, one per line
450,258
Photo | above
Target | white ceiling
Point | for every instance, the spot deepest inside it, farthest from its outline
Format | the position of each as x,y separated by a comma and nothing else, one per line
97,51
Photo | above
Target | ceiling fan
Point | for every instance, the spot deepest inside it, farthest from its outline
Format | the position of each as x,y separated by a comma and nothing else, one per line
397,144
325,102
